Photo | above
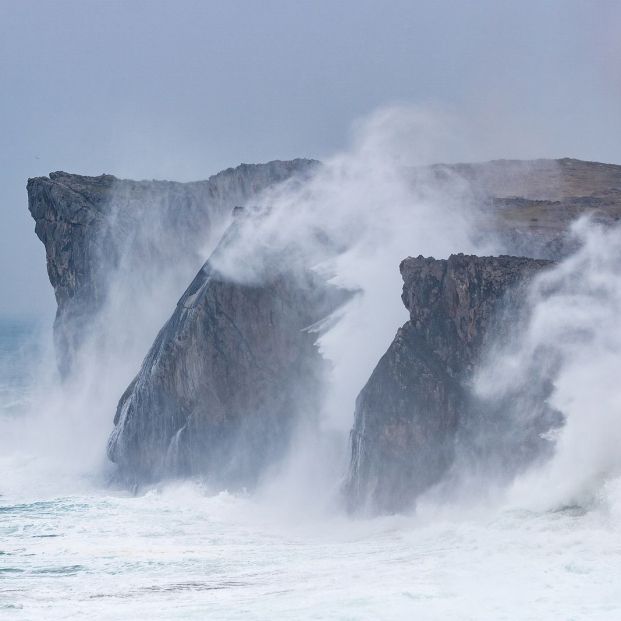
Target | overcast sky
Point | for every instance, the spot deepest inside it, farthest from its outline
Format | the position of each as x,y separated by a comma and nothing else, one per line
181,89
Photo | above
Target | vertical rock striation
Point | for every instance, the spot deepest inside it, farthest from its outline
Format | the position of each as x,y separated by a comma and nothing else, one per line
228,376
234,367
416,401
99,231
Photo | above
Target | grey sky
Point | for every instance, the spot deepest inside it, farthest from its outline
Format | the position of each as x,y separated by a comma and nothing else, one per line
181,89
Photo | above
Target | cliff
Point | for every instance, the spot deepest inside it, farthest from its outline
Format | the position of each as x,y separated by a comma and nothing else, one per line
228,376
101,230
416,402
234,368
98,231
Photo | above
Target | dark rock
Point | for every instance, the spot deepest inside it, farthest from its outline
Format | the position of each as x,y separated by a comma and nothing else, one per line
228,376
234,368
96,229
411,410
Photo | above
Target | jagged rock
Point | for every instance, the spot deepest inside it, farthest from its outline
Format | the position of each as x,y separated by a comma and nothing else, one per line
410,411
228,376
97,228
234,367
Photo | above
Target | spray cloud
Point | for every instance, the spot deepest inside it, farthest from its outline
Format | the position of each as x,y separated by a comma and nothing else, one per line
570,339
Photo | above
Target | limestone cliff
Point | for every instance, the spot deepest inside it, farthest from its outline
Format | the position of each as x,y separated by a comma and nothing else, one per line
229,375
234,368
416,401
100,229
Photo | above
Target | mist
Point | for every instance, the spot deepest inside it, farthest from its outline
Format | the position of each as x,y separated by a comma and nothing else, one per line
572,337
363,211
351,222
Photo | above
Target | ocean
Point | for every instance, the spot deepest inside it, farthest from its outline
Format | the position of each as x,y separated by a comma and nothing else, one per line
73,545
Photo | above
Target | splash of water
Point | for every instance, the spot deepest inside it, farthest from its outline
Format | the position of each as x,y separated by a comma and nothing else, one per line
571,338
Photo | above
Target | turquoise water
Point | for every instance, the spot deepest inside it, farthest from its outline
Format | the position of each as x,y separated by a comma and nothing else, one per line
20,346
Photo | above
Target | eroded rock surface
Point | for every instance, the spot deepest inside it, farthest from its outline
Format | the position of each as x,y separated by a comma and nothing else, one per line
234,367
102,231
228,377
417,400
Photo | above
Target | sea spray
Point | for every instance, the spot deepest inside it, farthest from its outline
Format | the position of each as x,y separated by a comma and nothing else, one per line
572,334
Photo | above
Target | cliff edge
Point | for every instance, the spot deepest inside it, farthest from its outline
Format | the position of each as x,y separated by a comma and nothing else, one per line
100,232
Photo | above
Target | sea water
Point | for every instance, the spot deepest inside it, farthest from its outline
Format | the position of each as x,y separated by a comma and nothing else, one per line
73,546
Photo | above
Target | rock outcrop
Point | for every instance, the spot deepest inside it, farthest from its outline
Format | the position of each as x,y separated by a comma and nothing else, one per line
235,367
100,229
416,402
96,229
228,376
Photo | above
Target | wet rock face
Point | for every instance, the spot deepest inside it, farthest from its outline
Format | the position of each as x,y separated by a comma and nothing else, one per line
417,402
227,379
99,230
234,368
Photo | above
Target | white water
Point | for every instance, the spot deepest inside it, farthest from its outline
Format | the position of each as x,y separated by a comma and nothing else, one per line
72,547
181,554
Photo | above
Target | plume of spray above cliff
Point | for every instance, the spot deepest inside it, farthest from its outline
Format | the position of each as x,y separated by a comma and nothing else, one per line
363,211
352,221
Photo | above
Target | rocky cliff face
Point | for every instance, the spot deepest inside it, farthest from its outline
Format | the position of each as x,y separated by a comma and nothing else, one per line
417,420
228,376
98,231
234,368
416,402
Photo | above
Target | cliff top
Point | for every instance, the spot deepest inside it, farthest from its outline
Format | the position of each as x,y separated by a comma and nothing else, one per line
540,194
107,180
